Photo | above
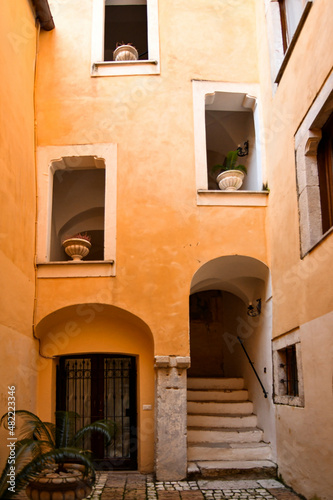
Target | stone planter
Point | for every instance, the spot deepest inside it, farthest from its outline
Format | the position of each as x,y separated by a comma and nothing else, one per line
125,53
230,180
77,248
51,485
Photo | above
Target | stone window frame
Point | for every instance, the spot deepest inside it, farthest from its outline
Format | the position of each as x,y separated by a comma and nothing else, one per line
202,90
46,156
280,344
278,57
307,139
99,67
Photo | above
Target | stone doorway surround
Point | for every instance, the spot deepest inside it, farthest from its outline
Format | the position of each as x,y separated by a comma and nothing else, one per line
171,417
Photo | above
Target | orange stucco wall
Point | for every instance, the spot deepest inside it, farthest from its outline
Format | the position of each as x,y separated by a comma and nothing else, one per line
18,349
162,236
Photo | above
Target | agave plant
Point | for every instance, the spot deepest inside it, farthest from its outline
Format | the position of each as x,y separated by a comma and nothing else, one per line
230,164
44,444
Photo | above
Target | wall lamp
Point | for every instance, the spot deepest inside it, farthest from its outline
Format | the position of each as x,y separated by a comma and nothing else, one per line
243,151
254,310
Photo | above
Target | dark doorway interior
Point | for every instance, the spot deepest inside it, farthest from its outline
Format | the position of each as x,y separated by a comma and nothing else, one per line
101,386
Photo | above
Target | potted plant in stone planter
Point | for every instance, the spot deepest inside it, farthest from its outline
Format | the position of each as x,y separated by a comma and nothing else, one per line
77,246
125,52
50,461
231,175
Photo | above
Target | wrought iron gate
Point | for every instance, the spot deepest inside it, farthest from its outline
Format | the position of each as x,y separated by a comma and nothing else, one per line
98,387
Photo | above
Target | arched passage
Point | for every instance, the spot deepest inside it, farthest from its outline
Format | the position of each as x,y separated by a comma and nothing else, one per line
100,359
221,292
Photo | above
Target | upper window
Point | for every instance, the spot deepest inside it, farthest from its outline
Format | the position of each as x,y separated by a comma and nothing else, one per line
290,12
314,168
226,119
125,22
77,197
285,20
78,206
325,174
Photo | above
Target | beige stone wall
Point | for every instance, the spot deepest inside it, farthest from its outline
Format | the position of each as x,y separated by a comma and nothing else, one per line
302,288
17,206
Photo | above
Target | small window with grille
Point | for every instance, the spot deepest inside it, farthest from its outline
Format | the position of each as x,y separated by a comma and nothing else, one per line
288,379
288,365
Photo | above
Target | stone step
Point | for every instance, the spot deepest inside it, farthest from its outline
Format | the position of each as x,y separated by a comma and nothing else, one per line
217,394
232,469
223,435
220,407
215,383
228,451
231,420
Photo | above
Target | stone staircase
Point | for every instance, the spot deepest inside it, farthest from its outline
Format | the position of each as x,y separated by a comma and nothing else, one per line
222,434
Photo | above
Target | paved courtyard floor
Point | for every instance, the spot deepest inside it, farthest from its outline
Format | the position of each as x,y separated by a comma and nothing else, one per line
135,486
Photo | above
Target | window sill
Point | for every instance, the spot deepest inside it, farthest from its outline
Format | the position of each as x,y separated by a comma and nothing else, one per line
293,42
71,269
124,68
232,198
289,401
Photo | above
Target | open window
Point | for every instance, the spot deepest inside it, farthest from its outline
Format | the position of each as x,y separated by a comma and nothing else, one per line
77,194
117,22
314,169
229,124
125,22
285,20
226,117
78,205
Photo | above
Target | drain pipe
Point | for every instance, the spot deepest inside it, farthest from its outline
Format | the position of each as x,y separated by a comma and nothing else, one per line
43,13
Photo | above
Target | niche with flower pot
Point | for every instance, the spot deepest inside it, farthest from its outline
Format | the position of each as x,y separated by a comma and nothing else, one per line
78,206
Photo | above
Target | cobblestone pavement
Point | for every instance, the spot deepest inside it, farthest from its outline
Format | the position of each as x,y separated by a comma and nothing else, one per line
135,486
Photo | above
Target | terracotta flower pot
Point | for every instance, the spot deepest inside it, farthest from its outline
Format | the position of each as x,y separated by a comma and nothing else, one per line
77,248
51,485
230,180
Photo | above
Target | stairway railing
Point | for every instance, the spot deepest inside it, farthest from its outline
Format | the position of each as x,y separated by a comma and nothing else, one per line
253,368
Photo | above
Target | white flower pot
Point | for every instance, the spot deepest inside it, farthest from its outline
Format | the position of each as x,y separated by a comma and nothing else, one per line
125,53
230,180
76,248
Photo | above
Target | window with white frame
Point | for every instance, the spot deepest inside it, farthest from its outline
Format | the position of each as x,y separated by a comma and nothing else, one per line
77,195
226,117
287,366
78,205
117,22
314,170
285,20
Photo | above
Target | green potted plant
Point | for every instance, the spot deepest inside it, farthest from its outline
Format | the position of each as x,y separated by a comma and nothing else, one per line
50,460
230,175
125,52
77,246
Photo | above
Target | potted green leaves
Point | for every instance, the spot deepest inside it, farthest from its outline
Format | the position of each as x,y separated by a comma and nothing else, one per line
50,459
230,176
125,52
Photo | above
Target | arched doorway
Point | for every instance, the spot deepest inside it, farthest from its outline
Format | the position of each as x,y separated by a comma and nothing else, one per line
230,419
98,360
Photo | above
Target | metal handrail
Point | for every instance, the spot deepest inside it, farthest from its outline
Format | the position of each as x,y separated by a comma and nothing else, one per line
253,368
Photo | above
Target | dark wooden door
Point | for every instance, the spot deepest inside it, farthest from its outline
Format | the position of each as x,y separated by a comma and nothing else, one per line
101,386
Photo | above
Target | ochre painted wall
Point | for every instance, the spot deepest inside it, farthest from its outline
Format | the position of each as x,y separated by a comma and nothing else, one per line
17,206
163,237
